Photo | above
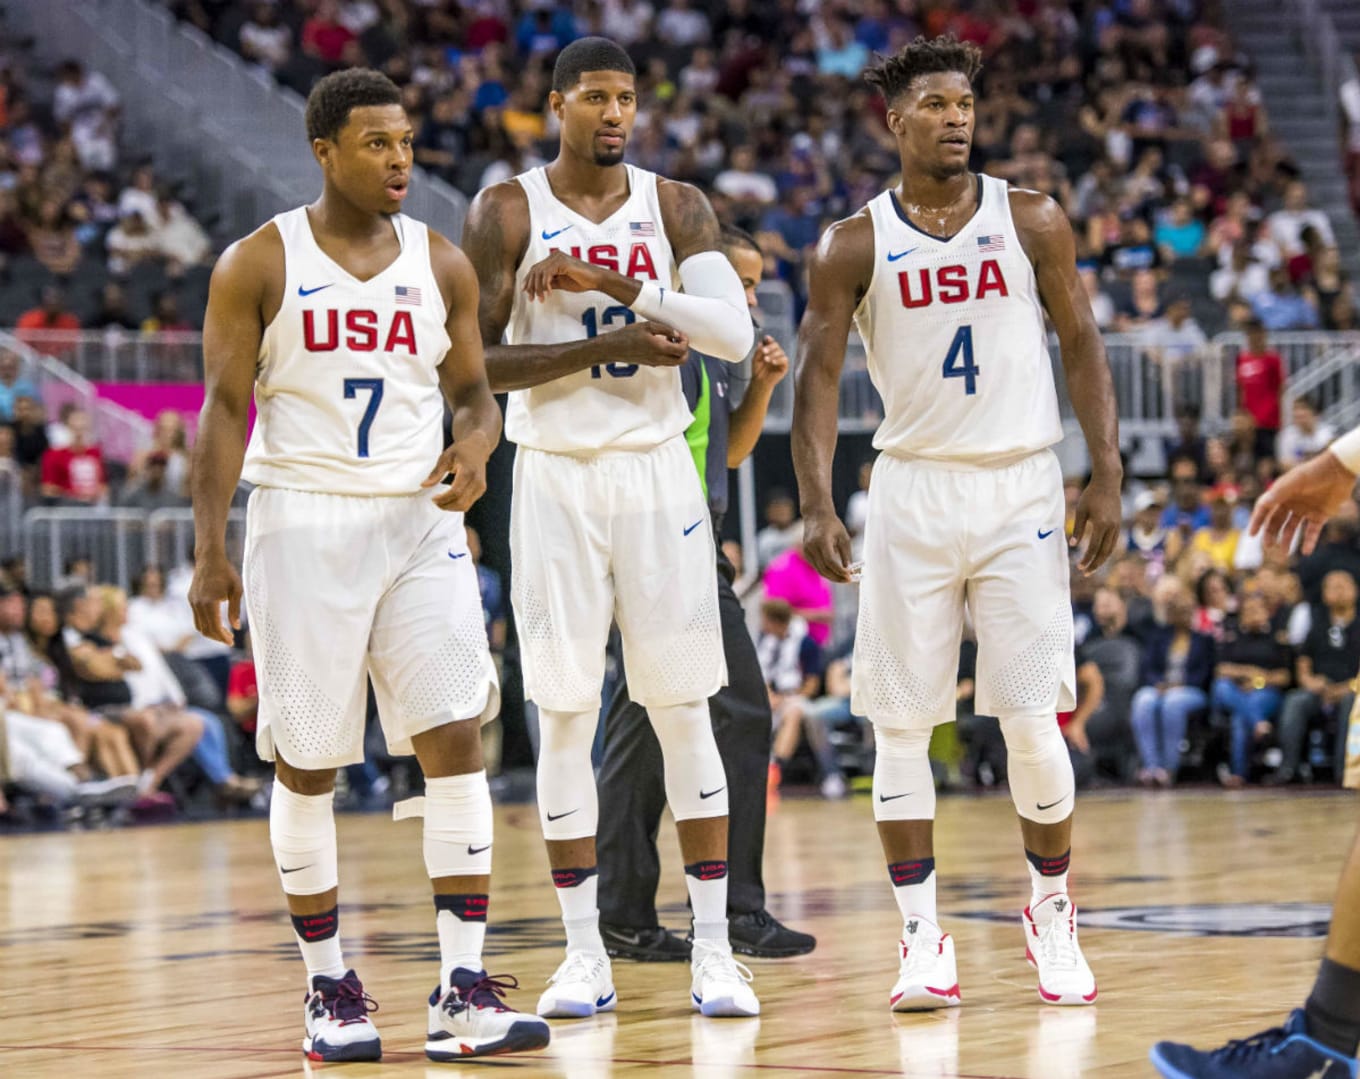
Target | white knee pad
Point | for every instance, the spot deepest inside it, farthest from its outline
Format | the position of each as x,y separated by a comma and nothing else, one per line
568,805
302,833
1040,768
904,787
696,782
458,826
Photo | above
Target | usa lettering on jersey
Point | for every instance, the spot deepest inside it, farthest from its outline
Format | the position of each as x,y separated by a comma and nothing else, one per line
606,256
361,333
951,284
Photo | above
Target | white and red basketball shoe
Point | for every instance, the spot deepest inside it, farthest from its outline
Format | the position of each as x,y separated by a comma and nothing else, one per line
336,1016
928,977
1051,948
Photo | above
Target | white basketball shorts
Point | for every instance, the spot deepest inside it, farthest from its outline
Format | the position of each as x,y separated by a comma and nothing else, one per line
939,535
339,589
614,536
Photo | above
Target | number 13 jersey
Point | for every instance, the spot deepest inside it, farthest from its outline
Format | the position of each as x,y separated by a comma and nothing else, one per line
955,339
612,406
347,383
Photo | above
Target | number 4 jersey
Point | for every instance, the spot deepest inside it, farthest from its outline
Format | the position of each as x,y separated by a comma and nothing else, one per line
613,406
347,385
955,338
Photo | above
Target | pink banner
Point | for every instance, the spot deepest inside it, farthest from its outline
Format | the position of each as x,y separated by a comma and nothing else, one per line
150,398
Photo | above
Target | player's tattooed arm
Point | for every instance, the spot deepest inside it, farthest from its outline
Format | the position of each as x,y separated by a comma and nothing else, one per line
839,273
462,377
495,238
691,225
1046,235
244,295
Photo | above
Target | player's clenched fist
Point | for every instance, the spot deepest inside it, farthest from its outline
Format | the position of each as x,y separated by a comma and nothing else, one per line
463,466
561,271
651,344
215,582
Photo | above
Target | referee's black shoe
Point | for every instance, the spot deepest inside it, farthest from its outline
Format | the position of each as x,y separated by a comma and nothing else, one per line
655,945
759,934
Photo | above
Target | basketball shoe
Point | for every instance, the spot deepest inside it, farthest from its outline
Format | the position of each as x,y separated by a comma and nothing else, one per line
471,1019
928,976
336,1016
1051,948
582,986
720,986
1281,1053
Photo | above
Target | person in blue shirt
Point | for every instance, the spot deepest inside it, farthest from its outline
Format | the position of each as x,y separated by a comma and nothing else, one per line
632,792
12,385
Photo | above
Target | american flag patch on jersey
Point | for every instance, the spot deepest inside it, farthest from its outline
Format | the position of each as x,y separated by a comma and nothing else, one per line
641,228
408,295
993,241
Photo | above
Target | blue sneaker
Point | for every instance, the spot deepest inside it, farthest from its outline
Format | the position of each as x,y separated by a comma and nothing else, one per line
1281,1053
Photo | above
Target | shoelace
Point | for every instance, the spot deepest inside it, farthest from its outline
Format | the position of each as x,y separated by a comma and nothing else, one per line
488,991
349,1003
1058,944
578,967
1245,1048
718,964
922,951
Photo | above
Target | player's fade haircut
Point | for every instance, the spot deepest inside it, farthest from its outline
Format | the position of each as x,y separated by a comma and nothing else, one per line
893,75
731,238
334,97
589,54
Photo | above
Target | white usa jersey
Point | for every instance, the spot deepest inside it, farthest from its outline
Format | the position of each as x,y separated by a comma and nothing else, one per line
346,388
614,406
955,339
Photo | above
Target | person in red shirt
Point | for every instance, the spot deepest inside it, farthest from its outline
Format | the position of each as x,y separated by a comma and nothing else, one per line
75,473
1260,377
50,314
324,37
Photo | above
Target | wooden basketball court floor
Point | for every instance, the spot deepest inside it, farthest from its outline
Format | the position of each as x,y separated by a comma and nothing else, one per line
164,951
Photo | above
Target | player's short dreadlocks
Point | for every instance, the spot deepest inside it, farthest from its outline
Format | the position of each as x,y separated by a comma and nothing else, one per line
331,100
893,75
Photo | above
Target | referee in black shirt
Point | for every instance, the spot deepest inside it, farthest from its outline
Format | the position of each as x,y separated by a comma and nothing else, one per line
632,791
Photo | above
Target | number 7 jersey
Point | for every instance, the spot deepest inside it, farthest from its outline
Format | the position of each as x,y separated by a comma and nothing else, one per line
955,339
612,406
347,383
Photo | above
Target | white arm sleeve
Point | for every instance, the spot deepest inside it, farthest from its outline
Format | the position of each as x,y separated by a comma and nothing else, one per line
711,311
1347,450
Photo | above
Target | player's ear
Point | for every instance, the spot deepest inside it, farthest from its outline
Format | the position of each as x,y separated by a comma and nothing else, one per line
321,150
895,121
557,101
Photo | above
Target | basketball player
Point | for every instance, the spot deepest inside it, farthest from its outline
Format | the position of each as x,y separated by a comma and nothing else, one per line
632,793
354,324
583,261
947,278
1321,1039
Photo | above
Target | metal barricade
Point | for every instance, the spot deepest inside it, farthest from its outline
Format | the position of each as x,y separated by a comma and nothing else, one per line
11,512
170,537
114,540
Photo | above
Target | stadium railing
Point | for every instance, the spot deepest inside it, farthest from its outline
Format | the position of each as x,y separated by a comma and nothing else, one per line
198,106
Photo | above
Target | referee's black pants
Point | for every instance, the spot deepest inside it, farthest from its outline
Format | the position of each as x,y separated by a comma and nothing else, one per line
633,790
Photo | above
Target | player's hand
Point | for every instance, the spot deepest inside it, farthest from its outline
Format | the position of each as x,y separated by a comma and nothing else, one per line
1304,497
826,544
463,466
1099,515
651,344
215,582
770,363
561,271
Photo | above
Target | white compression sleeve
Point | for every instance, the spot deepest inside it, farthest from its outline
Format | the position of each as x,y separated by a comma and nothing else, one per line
1347,450
711,311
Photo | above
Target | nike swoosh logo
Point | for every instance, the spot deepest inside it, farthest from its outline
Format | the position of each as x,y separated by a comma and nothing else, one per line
695,525
549,235
1051,804
308,291
477,850
460,554
893,257
568,813
293,870
1045,535
604,1000
892,797
710,794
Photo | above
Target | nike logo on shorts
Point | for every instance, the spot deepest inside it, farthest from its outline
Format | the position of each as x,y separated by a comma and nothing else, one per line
460,554
295,869
710,794
892,797
1045,535
308,291
568,813
549,235
1050,805
695,525
477,850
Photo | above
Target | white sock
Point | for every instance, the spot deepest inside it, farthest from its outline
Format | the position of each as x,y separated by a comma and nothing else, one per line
707,884
321,956
1041,887
914,888
577,892
460,938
